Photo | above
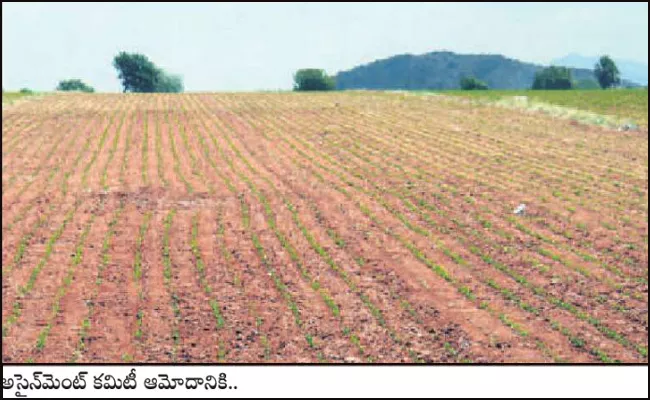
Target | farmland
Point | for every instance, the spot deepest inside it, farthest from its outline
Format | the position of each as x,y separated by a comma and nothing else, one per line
355,227
11,97
624,104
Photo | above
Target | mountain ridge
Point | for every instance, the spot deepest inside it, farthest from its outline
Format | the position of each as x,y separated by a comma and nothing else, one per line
440,70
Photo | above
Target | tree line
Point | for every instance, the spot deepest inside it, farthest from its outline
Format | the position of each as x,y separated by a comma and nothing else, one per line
138,74
559,78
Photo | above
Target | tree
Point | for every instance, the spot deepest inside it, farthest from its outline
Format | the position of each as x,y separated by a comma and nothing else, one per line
312,79
471,83
553,78
74,85
607,73
138,74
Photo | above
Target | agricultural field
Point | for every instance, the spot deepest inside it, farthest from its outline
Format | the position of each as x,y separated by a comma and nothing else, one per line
356,227
624,104
11,97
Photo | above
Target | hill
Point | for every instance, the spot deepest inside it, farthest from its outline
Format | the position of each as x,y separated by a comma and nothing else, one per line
443,70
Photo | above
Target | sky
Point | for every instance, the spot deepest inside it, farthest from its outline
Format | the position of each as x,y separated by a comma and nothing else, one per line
258,46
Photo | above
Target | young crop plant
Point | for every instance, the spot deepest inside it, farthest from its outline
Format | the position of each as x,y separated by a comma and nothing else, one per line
111,153
177,163
159,157
145,150
167,278
137,271
100,146
25,290
67,281
238,284
43,162
23,244
196,171
86,323
200,267
125,156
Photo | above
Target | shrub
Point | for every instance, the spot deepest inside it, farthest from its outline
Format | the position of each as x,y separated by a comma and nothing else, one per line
471,83
311,79
553,78
74,85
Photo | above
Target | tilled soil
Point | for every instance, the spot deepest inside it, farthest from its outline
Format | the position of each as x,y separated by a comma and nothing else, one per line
338,228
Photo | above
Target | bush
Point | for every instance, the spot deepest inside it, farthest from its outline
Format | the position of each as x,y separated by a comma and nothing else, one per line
553,78
26,91
313,80
74,85
471,83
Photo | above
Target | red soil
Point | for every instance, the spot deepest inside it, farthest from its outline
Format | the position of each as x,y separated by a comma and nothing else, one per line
385,191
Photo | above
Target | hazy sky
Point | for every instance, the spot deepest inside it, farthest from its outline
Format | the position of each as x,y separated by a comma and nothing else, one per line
259,46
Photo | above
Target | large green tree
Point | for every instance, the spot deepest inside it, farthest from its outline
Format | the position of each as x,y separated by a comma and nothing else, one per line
312,79
607,73
138,74
74,85
553,78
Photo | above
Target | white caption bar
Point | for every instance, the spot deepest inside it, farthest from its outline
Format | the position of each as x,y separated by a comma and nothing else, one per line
326,381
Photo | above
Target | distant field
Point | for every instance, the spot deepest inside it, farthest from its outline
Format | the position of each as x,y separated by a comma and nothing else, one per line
624,103
363,227
8,97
